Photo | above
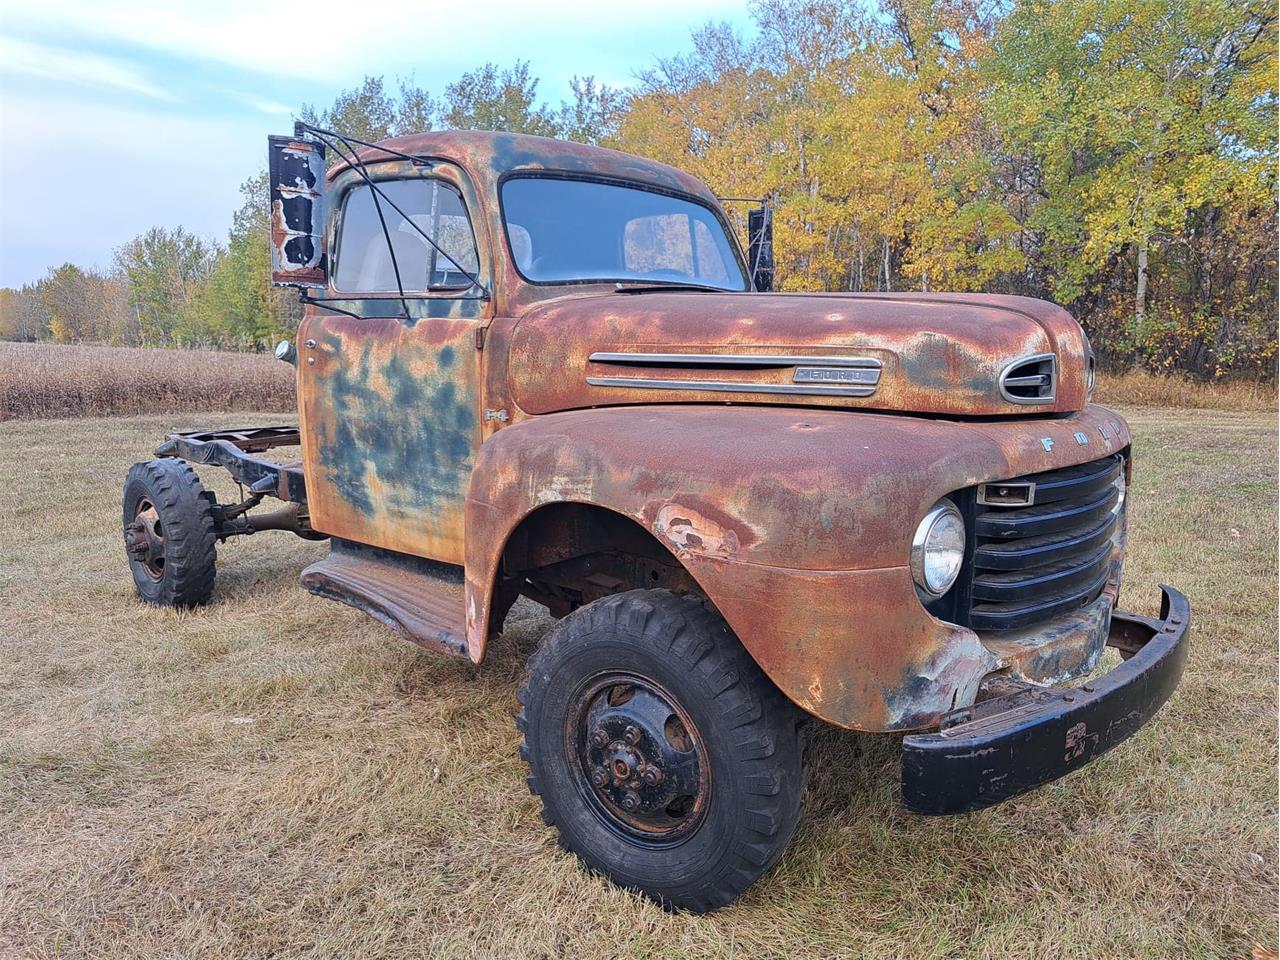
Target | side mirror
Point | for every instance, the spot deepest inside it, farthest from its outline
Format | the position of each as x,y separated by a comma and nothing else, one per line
760,247
296,170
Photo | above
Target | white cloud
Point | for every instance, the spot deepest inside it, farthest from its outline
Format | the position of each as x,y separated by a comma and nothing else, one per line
124,171
326,40
52,63
263,106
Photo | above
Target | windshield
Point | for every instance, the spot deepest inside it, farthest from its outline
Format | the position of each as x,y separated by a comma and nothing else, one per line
572,230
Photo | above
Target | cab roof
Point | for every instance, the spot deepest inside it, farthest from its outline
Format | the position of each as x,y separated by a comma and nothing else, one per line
489,156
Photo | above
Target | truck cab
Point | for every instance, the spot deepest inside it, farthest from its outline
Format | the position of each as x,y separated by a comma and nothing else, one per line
536,368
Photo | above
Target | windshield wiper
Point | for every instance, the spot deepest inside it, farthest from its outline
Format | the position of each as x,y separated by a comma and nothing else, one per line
642,286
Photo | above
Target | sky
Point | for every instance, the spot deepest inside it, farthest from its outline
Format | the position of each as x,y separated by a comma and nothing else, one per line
120,115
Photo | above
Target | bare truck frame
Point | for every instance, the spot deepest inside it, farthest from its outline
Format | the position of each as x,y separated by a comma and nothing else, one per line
530,367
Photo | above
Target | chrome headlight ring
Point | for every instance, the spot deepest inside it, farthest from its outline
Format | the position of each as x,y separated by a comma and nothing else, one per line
937,549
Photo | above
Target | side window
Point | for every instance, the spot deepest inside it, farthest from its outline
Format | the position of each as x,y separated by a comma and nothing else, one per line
364,263
673,242
521,246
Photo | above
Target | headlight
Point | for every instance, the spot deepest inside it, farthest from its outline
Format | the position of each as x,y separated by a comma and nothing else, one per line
937,549
1090,368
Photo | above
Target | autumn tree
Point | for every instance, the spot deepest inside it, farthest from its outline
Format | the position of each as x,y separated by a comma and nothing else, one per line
80,305
593,113
1134,120
490,98
237,305
23,315
163,269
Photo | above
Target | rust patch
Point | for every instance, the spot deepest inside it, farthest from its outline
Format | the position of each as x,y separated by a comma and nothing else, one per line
1057,651
846,638
703,529
952,367
296,171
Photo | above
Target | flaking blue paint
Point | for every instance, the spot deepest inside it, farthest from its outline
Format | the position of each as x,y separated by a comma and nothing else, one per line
415,435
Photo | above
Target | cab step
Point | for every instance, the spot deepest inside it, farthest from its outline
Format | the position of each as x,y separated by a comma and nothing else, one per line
420,599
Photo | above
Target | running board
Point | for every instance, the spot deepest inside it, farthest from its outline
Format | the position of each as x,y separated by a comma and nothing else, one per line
422,600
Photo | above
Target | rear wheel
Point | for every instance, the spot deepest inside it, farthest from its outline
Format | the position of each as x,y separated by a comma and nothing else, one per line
664,757
168,533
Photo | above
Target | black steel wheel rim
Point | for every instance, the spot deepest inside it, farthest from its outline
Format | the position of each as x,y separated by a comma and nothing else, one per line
637,759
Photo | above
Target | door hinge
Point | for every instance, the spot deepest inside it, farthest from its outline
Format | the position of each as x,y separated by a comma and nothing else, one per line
480,338
500,415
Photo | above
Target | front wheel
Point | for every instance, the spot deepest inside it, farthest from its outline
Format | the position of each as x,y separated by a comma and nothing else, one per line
169,533
663,755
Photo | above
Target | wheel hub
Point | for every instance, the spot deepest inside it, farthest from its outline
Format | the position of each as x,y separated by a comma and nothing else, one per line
144,539
641,758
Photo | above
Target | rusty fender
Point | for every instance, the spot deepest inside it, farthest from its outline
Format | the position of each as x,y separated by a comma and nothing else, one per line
795,523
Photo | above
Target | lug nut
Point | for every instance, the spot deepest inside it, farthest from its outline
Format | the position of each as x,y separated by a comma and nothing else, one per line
631,801
599,738
632,735
600,777
651,776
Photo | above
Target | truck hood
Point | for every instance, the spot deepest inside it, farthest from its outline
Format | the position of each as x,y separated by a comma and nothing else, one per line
954,354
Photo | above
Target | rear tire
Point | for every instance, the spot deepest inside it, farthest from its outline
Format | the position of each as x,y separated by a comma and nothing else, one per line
169,533
663,755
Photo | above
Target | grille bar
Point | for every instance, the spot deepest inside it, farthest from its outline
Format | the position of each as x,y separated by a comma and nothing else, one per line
1019,554
1041,580
1032,563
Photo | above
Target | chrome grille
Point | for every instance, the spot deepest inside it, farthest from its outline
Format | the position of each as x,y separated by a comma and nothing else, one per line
1031,563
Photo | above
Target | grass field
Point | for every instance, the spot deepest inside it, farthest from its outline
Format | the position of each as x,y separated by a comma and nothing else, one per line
64,380
277,775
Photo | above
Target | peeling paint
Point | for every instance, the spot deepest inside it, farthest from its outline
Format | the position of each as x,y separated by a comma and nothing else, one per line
296,172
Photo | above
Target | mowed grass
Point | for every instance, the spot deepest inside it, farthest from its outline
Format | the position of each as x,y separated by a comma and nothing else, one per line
277,775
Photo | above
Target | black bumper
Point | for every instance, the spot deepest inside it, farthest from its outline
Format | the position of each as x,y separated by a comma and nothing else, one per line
1010,744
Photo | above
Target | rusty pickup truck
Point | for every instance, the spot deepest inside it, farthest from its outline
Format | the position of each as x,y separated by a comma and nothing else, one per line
542,369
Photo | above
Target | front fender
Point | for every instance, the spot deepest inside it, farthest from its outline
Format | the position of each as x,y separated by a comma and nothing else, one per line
796,524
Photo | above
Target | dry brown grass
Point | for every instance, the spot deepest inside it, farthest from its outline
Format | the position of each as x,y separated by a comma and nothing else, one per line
57,380
278,775
1138,389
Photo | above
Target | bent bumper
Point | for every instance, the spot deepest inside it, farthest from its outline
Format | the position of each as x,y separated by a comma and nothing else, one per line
1007,745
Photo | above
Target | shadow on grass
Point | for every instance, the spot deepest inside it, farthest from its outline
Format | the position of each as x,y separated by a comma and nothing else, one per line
241,575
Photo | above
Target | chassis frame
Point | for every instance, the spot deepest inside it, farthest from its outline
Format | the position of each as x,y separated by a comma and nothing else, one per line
233,450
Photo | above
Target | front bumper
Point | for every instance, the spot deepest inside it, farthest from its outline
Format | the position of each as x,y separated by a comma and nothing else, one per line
1009,744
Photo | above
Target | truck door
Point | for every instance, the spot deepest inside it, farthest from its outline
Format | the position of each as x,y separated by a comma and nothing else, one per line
388,404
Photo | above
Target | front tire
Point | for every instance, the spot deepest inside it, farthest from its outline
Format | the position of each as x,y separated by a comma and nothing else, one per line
169,533
663,755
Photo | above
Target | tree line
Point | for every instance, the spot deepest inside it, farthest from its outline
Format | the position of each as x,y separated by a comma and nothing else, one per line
1117,156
